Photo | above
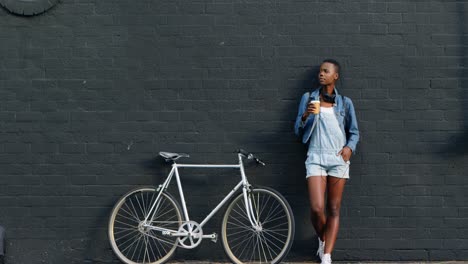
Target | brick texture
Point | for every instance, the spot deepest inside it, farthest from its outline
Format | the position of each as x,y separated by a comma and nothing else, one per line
91,91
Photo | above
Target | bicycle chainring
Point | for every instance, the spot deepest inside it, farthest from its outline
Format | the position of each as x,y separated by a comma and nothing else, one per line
193,235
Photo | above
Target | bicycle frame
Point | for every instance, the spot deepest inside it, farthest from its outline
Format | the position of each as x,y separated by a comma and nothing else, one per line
175,171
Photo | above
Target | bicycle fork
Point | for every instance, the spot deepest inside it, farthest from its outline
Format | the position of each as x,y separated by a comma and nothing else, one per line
252,214
249,208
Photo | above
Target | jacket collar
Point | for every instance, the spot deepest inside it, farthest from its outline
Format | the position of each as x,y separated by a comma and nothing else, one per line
316,92
315,95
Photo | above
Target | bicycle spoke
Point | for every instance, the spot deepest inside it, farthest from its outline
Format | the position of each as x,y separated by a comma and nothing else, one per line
127,235
140,206
146,250
269,212
159,207
241,239
255,246
130,219
276,233
168,212
239,232
263,245
131,213
246,245
268,247
136,247
124,223
150,246
275,219
265,203
280,224
147,204
238,223
272,243
134,210
157,248
243,214
129,241
122,229
132,243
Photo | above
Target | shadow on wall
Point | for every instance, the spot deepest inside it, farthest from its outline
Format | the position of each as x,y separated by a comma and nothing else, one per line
459,146
310,81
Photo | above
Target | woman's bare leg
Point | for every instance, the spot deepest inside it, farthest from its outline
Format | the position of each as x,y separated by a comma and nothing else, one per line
317,186
335,188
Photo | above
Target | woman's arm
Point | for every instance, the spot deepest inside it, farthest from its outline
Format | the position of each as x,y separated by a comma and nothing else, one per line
351,126
299,125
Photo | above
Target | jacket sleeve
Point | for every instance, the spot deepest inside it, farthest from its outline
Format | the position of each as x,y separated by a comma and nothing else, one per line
299,125
351,126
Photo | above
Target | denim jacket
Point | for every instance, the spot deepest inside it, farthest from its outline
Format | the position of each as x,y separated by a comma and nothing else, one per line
345,114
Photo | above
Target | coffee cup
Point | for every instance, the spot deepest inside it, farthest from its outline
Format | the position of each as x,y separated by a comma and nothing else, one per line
317,106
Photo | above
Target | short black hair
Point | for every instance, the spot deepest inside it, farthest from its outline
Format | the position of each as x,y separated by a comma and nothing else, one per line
334,62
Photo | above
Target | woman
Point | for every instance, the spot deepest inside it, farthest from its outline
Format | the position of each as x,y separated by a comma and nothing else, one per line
330,129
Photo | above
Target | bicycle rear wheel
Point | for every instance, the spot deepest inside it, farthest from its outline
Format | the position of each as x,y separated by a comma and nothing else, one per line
131,240
268,244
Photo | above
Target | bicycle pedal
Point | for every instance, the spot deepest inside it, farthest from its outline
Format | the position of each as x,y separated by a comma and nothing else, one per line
214,237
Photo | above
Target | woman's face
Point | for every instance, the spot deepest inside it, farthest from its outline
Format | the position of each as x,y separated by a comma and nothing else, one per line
327,74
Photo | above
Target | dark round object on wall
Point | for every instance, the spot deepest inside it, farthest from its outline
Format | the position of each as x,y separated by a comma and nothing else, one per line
28,7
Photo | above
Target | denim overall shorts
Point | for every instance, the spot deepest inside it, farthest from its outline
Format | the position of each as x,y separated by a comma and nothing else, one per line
326,141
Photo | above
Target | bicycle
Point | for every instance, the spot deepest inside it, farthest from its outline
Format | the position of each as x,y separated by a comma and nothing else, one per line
147,224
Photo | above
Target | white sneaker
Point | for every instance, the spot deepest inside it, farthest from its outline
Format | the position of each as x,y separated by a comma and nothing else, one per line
326,259
321,248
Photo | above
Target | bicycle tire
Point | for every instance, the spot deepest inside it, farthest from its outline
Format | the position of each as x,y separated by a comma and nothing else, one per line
243,244
129,241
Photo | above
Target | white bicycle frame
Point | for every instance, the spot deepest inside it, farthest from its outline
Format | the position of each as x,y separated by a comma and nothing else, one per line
175,171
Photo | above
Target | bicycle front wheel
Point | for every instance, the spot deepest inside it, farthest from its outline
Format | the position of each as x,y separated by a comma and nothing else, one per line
270,240
135,241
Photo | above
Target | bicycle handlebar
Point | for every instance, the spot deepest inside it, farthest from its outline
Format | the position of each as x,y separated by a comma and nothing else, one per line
250,156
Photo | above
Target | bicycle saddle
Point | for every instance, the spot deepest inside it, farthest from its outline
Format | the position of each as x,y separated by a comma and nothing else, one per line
172,156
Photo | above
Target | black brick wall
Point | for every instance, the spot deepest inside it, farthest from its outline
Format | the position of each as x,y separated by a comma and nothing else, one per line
91,91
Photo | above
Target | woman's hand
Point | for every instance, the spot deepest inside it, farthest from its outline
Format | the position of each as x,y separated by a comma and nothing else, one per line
311,108
345,153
